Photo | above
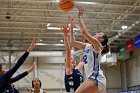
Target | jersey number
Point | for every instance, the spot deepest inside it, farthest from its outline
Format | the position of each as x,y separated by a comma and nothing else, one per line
85,59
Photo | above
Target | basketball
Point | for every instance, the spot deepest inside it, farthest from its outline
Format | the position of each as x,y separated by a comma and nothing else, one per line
66,5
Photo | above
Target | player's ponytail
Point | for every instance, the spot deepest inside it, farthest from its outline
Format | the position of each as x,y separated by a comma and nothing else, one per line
105,46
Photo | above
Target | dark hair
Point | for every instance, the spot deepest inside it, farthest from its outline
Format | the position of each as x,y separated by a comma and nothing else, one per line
34,80
105,46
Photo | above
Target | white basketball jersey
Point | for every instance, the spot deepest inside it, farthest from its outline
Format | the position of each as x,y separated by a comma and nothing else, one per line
41,91
92,61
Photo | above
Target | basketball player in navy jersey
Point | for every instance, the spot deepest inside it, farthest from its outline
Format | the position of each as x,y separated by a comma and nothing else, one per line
73,77
10,87
93,51
5,77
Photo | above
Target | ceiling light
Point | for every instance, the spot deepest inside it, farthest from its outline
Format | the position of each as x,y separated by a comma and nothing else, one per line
76,29
119,33
58,44
48,24
48,53
87,2
124,27
61,41
79,2
58,28
54,28
40,44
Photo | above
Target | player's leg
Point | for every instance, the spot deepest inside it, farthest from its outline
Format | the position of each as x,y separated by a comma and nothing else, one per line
88,86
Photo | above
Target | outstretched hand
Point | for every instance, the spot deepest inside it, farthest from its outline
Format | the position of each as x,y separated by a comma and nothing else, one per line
81,11
31,68
32,46
65,29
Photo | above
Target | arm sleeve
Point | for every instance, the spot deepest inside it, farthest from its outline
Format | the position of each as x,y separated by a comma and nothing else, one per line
4,79
20,76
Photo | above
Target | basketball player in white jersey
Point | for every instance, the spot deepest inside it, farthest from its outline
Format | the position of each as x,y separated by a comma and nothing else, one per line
93,51
36,85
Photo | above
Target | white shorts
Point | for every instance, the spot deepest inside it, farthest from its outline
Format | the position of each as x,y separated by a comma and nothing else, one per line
102,88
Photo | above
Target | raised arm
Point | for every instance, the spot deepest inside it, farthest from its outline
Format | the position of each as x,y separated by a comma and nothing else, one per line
65,30
20,76
81,63
21,60
32,46
73,42
96,44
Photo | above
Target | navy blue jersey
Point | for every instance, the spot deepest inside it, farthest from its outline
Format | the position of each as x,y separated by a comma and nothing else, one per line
73,81
10,90
6,80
